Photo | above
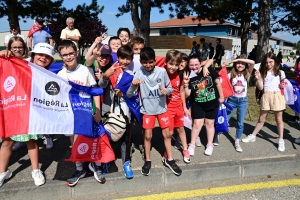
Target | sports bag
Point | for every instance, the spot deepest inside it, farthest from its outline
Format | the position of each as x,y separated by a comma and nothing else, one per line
115,124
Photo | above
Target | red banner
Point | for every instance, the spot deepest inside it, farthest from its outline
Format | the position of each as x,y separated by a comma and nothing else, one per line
92,150
225,82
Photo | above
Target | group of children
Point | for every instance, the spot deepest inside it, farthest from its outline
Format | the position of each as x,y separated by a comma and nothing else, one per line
164,93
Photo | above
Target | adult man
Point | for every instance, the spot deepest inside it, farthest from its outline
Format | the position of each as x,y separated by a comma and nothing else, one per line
71,33
195,49
39,33
14,32
204,49
219,53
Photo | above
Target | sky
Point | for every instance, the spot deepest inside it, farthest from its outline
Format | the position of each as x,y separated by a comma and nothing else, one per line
113,23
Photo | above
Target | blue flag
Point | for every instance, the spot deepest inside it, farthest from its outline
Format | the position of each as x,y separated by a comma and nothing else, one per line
133,102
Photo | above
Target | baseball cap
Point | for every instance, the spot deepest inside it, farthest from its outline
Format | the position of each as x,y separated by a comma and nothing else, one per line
106,49
39,19
44,48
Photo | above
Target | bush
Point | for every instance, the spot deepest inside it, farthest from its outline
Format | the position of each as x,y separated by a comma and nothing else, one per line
292,53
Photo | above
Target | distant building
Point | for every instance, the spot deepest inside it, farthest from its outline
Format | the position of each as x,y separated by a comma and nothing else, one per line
192,27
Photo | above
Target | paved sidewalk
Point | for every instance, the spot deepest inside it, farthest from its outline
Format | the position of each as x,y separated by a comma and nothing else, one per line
258,158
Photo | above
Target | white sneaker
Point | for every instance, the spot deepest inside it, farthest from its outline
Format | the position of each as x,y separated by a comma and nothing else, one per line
4,176
198,142
297,140
281,146
48,142
191,149
249,138
209,150
238,147
38,177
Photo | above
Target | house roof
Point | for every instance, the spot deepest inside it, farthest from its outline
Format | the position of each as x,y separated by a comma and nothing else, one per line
187,21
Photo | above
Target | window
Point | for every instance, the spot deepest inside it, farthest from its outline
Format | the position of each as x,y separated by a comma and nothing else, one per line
171,31
229,31
195,31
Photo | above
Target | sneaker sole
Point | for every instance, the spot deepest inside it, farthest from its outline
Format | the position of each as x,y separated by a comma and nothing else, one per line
187,161
39,183
95,176
216,144
198,145
177,174
248,141
72,184
145,173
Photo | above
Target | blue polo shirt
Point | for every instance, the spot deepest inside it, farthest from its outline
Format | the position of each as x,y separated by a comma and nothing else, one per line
41,37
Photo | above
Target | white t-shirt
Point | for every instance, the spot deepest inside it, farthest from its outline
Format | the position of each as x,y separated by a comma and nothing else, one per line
82,75
271,82
239,84
7,37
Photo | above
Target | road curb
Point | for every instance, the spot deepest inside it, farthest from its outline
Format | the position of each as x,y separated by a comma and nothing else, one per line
159,177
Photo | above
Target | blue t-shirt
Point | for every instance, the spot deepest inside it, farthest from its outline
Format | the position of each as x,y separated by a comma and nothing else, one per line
41,37
114,57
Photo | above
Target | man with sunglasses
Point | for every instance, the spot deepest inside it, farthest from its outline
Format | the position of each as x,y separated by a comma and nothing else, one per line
39,33
14,32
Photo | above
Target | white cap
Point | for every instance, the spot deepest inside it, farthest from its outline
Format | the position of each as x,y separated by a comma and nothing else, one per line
44,48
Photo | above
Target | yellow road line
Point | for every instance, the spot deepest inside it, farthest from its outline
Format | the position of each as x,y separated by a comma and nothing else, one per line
219,190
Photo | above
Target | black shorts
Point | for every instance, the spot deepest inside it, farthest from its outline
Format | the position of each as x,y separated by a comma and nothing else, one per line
218,61
199,113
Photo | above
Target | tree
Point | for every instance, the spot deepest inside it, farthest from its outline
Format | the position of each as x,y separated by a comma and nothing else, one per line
86,20
16,9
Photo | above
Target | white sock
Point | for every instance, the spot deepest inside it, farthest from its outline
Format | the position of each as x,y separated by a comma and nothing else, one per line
79,166
281,140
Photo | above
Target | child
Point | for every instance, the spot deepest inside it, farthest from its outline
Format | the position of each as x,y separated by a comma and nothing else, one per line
124,35
42,55
176,101
269,79
154,85
240,73
125,56
183,64
137,43
205,95
81,75
114,43
98,57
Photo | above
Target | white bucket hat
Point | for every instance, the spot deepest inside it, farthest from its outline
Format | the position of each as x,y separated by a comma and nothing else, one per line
44,48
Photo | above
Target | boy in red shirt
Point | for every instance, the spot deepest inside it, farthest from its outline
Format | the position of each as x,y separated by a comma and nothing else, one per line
176,101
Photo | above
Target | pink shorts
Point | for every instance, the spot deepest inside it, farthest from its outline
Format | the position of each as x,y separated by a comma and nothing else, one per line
149,120
176,117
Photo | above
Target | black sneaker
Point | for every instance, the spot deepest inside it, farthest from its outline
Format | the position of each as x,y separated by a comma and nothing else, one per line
75,177
173,167
295,119
97,172
146,168
216,139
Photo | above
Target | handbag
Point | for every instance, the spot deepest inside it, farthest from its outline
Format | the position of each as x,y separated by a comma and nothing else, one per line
221,121
114,124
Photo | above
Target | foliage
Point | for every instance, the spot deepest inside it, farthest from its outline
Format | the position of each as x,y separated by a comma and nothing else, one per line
16,9
297,45
86,21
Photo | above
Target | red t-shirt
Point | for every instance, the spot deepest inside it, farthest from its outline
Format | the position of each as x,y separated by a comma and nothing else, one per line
174,99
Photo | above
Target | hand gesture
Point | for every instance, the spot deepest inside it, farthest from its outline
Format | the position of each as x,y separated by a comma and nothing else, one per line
118,93
187,113
257,75
5,53
97,117
163,90
186,78
97,51
205,71
98,74
111,71
137,82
